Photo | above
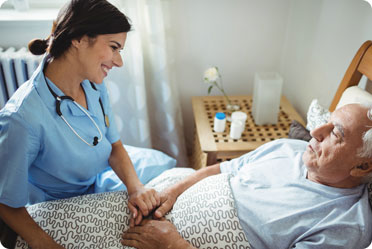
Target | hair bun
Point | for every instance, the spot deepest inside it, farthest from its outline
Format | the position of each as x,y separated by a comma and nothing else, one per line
38,46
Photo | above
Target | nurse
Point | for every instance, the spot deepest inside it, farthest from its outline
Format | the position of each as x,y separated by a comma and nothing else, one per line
57,133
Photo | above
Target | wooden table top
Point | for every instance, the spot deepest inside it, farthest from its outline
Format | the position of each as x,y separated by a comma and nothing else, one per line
206,107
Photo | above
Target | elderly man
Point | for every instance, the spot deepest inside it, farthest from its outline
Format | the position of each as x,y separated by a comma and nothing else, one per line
289,193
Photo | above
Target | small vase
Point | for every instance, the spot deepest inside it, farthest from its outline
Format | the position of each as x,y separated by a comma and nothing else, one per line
230,108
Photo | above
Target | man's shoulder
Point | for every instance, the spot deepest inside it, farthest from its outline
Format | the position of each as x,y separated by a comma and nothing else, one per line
280,148
294,145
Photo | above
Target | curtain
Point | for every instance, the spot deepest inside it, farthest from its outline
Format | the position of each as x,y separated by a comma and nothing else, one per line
143,95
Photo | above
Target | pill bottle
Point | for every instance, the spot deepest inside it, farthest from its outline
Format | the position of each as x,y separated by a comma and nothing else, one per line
239,116
219,122
236,129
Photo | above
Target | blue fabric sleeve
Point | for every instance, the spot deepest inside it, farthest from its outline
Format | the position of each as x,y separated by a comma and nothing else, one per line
236,164
112,131
338,237
18,148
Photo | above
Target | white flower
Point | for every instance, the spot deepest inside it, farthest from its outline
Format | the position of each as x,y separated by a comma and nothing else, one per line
211,75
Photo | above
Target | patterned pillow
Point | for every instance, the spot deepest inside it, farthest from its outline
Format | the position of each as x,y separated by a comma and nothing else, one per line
317,115
98,220
298,131
205,215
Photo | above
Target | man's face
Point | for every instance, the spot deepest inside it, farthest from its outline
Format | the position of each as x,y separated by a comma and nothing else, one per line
332,152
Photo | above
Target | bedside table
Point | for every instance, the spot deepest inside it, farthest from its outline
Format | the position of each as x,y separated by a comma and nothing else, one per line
211,147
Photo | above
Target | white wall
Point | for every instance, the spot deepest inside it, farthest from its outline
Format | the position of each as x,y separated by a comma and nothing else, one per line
322,38
18,34
239,36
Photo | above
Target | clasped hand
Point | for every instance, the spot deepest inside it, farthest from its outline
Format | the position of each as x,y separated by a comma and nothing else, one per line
143,201
155,232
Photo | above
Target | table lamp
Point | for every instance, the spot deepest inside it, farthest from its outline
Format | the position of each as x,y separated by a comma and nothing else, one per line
266,97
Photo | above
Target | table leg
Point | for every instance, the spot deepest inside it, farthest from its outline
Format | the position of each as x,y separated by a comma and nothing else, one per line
211,158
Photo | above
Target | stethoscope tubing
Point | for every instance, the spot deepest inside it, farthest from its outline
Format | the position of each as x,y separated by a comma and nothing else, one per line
59,100
95,141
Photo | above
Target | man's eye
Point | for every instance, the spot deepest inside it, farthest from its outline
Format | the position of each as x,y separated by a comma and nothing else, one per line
114,48
337,137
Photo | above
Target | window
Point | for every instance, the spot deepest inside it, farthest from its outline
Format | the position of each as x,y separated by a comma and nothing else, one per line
34,4
55,4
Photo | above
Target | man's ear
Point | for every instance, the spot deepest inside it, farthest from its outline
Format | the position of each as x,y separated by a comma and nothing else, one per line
362,169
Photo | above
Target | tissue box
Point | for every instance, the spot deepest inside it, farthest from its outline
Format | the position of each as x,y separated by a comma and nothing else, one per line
266,97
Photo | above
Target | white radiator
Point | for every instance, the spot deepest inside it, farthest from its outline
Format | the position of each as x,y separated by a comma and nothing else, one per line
16,67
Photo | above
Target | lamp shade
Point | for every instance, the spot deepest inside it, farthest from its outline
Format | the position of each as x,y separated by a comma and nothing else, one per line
266,97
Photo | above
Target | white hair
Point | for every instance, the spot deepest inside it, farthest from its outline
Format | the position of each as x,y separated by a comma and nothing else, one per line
366,149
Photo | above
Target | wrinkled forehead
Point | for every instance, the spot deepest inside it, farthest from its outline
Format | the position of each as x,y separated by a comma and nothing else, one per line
354,118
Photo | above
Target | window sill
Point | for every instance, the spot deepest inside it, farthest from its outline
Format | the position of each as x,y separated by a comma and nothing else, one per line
11,15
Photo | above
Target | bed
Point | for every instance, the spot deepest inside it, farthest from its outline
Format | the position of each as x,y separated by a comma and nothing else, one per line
98,220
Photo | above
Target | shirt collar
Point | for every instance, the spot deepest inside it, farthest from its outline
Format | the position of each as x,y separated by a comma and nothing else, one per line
92,96
38,80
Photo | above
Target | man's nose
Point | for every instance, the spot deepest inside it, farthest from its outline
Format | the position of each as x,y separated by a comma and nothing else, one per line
322,131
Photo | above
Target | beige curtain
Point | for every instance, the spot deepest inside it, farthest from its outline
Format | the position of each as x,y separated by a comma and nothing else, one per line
143,95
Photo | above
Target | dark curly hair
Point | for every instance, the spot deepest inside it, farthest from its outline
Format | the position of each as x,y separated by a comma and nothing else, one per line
76,19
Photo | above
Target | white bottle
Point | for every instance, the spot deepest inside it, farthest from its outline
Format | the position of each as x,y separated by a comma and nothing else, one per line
239,116
219,122
236,129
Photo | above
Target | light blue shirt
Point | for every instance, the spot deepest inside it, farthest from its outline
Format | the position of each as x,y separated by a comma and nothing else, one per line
280,208
41,158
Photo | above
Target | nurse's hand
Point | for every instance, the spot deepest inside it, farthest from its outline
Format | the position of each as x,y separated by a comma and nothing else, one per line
141,202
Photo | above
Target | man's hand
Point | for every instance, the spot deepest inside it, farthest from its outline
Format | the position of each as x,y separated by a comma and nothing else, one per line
167,199
154,234
141,202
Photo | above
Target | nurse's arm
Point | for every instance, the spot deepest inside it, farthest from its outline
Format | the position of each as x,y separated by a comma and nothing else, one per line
139,197
122,165
21,222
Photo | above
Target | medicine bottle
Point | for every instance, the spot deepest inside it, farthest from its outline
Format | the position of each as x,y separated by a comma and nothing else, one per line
236,129
219,122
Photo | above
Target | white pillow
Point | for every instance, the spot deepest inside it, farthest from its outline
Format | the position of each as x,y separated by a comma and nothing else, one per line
98,220
205,215
317,115
354,94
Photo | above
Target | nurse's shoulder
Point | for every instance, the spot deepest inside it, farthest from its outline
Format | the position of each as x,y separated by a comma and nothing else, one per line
23,106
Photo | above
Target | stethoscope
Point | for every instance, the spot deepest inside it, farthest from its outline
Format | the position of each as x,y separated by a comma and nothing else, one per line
59,100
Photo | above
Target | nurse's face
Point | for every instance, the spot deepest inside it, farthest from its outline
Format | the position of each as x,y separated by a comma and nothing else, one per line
98,55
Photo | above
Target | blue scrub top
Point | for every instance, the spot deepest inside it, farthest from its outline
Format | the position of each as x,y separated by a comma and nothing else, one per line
40,156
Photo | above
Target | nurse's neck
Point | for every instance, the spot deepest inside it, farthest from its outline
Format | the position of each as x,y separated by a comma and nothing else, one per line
63,72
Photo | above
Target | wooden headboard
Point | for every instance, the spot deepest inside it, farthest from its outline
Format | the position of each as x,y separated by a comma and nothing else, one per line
359,66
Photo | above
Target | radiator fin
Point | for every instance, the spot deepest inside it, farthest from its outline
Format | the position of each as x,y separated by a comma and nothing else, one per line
16,67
